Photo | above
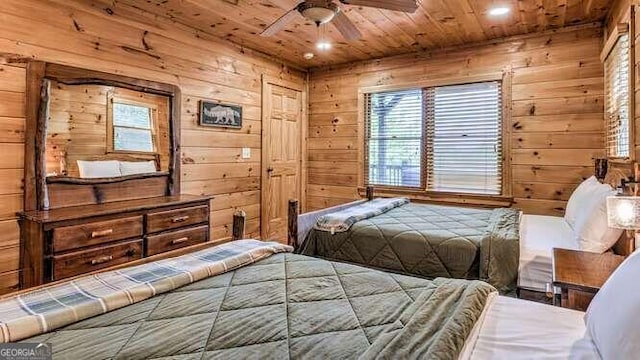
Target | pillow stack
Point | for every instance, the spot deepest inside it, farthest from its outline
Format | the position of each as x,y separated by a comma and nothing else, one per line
587,215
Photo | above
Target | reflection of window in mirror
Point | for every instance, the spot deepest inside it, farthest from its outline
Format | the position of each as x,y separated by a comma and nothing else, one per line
131,125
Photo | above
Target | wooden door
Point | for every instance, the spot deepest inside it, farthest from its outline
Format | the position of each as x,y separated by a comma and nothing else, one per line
282,134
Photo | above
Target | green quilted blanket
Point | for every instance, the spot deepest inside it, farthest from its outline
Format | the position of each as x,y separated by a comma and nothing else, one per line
429,241
287,306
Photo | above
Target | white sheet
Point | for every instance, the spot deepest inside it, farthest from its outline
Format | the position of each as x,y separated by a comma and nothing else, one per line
467,350
538,236
520,329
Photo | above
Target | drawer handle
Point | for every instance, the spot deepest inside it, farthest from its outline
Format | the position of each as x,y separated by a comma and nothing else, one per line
179,241
102,260
180,219
101,233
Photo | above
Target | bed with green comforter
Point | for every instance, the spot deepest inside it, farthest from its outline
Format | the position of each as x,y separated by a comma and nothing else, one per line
429,241
286,306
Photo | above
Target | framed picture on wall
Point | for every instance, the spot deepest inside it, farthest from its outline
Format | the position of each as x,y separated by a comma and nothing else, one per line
220,115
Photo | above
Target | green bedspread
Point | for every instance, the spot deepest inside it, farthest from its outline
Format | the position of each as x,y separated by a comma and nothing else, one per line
287,306
430,241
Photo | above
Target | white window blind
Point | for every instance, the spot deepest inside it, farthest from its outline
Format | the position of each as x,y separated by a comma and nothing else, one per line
132,128
394,129
464,138
616,70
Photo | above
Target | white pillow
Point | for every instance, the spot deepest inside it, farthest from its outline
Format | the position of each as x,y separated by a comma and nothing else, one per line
591,228
578,199
614,314
98,169
137,167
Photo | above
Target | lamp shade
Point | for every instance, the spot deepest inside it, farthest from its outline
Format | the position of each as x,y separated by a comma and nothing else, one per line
623,212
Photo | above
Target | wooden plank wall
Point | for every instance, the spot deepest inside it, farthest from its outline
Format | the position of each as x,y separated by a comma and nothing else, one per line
131,42
12,113
557,107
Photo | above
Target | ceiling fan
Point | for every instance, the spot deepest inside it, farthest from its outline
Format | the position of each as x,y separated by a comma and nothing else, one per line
324,11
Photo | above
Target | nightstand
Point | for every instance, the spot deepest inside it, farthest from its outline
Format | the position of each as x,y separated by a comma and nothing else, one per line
580,274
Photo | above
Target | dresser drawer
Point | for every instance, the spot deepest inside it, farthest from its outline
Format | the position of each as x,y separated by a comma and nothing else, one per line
157,244
97,232
171,219
85,261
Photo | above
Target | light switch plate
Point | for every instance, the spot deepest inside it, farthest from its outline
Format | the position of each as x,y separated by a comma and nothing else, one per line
246,153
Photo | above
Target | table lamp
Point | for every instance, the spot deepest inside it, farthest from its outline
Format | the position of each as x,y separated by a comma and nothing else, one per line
623,212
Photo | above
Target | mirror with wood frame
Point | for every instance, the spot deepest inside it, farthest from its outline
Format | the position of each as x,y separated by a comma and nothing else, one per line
97,134
100,131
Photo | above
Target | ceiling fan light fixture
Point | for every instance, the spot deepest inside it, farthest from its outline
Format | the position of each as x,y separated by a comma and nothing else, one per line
499,10
319,14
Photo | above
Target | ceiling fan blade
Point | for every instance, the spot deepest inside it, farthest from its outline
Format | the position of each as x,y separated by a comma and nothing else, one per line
409,6
348,30
279,24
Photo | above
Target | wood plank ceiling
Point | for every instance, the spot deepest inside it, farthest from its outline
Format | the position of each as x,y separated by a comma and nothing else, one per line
436,24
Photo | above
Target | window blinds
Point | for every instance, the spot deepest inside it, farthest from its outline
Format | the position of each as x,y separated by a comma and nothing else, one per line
616,70
394,129
443,139
464,138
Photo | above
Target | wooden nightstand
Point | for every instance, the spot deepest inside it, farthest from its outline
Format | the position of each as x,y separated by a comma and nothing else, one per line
580,274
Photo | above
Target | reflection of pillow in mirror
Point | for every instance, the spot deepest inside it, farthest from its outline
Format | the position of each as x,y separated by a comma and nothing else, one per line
99,169
137,167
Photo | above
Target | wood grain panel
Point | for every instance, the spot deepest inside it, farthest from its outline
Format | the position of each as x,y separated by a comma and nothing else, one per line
84,261
11,130
548,190
172,240
98,232
9,259
239,199
171,219
9,282
551,173
9,233
12,127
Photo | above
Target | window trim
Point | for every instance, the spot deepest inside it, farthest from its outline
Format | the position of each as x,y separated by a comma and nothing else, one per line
426,195
611,41
123,99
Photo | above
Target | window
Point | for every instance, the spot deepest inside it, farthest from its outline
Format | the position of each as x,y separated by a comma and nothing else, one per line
616,68
464,138
441,139
131,126
394,134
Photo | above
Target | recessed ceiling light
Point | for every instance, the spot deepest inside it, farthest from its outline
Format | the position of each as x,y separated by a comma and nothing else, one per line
323,45
308,55
500,10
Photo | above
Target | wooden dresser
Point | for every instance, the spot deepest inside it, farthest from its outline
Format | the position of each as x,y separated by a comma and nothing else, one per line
70,241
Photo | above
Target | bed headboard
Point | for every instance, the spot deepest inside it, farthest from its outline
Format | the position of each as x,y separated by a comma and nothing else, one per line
620,174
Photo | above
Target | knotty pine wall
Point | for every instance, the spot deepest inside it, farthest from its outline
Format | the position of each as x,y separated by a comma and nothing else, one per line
557,108
97,36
